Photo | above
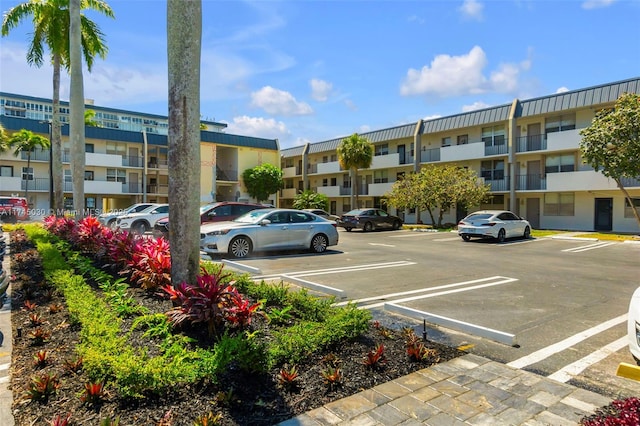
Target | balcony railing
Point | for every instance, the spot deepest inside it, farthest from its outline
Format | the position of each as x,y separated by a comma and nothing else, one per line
226,174
158,163
132,188
531,143
36,155
430,155
312,168
132,161
37,184
158,189
530,182
496,149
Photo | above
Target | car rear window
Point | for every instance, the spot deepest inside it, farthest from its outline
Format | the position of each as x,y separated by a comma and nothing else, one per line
479,216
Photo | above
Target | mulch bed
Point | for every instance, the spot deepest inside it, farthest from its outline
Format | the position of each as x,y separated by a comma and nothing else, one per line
240,398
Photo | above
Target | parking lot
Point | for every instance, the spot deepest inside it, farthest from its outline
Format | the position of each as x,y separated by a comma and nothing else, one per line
553,306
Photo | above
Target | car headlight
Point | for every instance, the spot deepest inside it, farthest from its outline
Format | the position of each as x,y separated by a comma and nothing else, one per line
218,232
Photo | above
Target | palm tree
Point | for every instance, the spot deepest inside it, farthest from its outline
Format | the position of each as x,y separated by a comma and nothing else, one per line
3,140
51,27
26,141
184,40
355,152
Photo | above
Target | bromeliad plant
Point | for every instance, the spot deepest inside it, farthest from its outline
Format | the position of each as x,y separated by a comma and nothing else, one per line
375,358
42,387
41,358
287,377
212,301
93,393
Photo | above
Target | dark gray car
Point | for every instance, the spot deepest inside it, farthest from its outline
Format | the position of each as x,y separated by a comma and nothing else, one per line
369,220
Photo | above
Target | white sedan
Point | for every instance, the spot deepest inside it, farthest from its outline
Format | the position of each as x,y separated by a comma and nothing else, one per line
269,229
496,224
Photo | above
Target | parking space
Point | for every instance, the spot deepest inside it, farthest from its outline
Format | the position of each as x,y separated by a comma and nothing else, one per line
538,291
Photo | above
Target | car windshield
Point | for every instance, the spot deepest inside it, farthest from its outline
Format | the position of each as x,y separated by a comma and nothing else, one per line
355,212
205,208
253,216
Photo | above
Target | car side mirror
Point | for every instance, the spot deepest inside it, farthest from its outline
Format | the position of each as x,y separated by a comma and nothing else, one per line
264,222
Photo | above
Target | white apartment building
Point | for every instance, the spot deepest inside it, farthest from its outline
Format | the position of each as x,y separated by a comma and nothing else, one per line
527,151
125,158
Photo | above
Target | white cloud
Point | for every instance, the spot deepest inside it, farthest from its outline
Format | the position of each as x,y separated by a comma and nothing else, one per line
350,104
597,4
562,89
432,117
472,9
320,89
462,75
259,127
279,102
475,106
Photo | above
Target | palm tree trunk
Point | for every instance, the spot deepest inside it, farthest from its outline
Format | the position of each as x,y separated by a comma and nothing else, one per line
76,107
354,188
57,174
26,184
184,39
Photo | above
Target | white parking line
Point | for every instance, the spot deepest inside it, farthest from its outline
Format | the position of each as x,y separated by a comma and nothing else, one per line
447,239
593,246
570,371
380,244
420,290
544,353
343,269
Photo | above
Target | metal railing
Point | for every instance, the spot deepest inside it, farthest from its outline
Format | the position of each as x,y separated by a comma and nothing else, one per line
430,155
531,143
531,182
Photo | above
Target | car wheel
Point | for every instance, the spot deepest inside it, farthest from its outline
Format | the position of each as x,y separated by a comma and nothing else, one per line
466,238
348,229
111,224
240,247
396,225
319,243
501,235
139,228
368,227
527,233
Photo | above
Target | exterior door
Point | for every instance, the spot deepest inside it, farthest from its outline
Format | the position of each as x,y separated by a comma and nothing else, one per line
534,137
533,175
402,154
133,183
533,212
603,214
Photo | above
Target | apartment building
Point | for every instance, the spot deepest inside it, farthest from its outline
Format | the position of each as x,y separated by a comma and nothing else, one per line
527,151
125,158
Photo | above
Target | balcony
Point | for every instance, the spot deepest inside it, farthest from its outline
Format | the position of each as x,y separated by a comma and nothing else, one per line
227,175
562,141
430,155
312,168
330,191
496,149
131,161
379,189
331,167
531,143
102,160
462,152
36,155
288,172
497,185
162,189
535,182
158,163
132,188
588,180
11,183
288,193
385,161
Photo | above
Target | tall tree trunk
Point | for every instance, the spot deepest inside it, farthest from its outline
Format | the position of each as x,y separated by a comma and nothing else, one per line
26,185
76,107
354,188
184,34
57,174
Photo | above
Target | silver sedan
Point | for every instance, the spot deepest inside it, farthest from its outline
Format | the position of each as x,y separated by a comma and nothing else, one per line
267,230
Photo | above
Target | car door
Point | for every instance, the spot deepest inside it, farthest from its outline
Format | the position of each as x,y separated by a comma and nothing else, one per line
383,219
302,228
274,235
511,224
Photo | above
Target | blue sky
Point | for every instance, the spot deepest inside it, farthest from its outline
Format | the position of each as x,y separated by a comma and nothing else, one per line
307,71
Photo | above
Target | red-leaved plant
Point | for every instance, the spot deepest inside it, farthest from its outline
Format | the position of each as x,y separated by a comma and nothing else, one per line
120,249
208,301
60,420
239,310
62,227
91,236
375,358
621,412
150,263
93,393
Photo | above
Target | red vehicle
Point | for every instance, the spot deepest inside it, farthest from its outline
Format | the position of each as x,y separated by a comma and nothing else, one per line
13,209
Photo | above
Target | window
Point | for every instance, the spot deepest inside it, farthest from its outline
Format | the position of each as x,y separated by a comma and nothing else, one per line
380,176
560,123
628,211
493,136
6,171
27,173
334,157
88,147
382,149
559,204
559,163
446,142
325,159
346,182
67,175
88,175
463,139
288,162
492,170
288,183
334,181
116,149
325,182
116,175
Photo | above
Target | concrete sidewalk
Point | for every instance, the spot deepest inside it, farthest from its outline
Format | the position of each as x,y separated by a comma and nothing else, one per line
6,339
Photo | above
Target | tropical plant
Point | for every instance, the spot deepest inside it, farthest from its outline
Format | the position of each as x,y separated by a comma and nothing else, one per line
262,181
89,118
26,141
355,152
184,136
42,387
309,199
3,140
51,27
611,144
